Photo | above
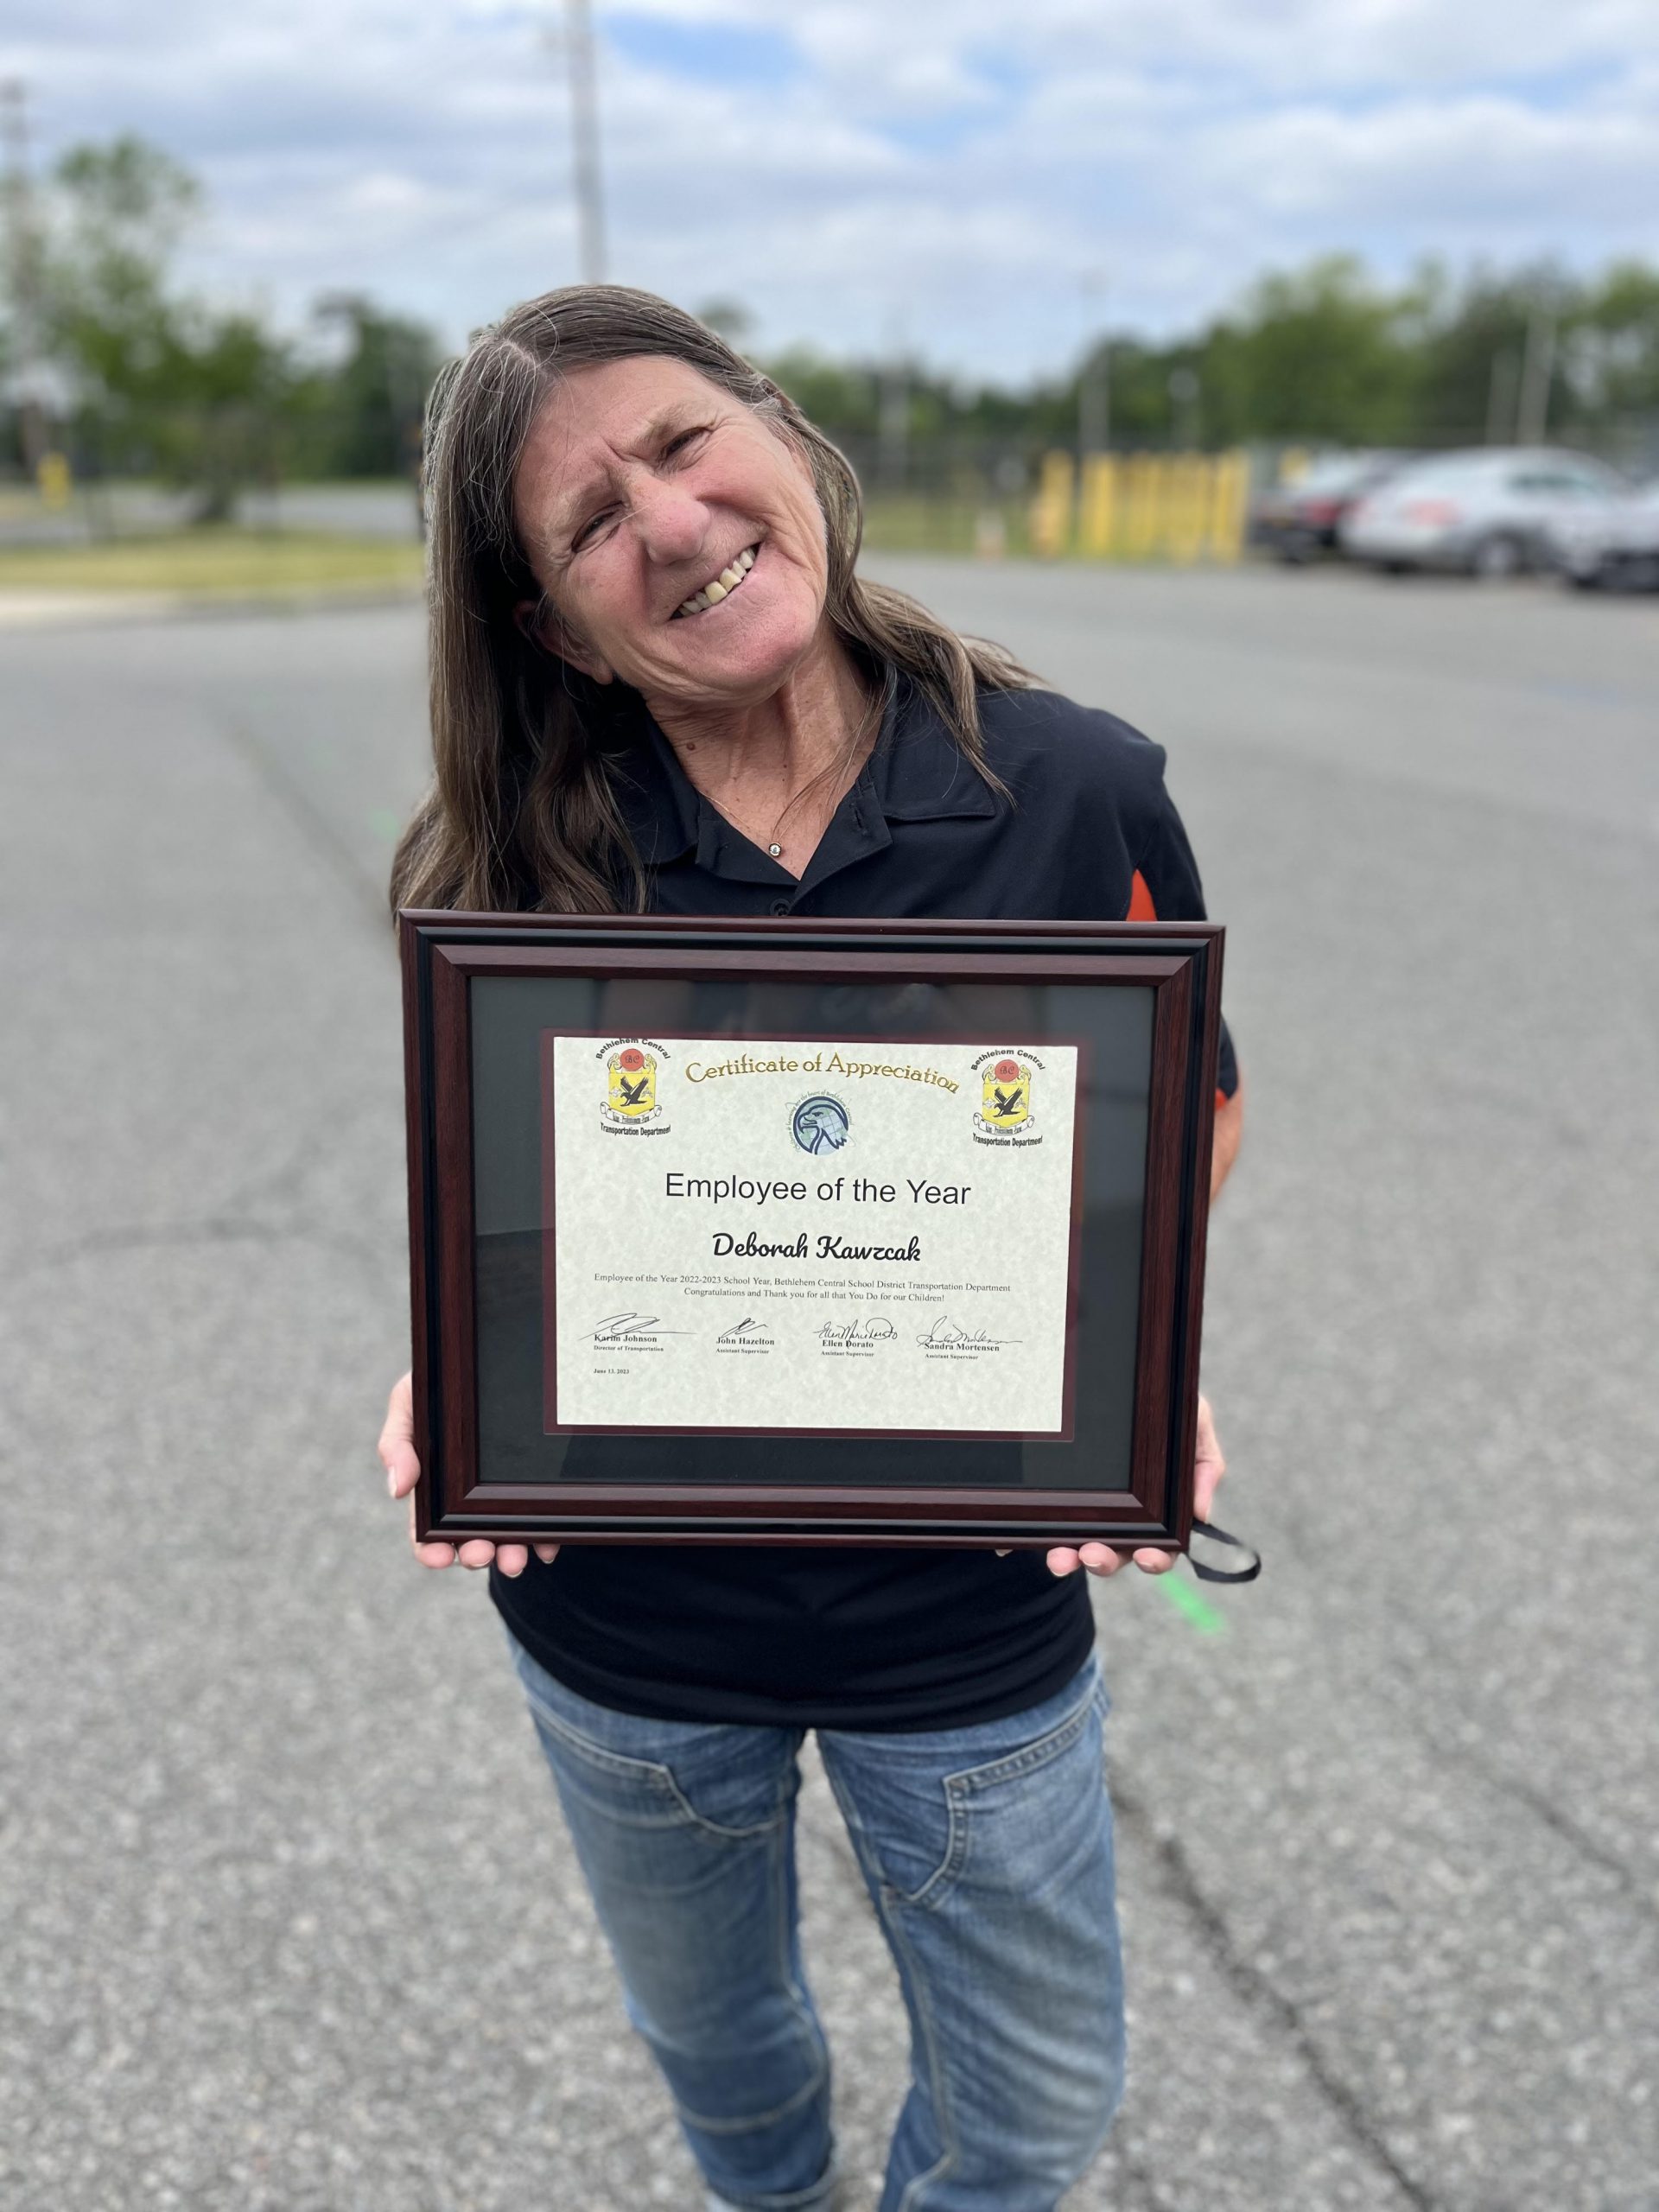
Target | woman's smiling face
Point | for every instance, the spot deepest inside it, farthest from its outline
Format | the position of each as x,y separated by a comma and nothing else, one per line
678,535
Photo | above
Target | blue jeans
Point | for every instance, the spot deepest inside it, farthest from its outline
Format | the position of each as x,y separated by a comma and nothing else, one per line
988,1854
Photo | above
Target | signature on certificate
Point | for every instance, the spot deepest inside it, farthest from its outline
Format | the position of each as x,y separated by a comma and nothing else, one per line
867,1329
952,1336
630,1328
747,1331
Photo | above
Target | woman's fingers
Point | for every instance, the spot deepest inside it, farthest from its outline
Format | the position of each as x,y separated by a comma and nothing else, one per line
1210,1462
1209,1466
397,1445
404,1472
396,1449
1103,1559
1098,1559
432,1554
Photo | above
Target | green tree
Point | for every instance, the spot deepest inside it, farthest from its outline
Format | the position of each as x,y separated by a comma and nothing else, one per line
1315,354
842,397
1610,371
122,209
163,381
370,408
1472,346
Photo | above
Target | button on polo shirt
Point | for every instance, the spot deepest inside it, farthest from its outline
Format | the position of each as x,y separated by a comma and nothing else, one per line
873,1638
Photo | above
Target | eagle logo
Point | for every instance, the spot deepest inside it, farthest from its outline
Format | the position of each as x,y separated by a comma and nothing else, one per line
1005,1096
820,1124
632,1083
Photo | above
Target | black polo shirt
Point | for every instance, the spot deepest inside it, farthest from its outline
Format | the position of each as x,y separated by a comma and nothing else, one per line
881,1639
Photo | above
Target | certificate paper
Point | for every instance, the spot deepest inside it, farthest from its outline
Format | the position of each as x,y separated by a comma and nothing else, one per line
825,1238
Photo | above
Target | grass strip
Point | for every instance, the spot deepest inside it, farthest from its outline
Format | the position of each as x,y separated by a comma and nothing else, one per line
215,563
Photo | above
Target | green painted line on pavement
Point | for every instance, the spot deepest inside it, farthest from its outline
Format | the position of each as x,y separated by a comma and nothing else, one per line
1188,1602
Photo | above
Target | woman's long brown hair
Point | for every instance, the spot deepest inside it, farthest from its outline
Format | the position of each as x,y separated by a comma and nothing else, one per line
521,816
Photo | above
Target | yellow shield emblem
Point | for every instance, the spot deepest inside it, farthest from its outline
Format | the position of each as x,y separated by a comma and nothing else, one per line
633,1082
1005,1101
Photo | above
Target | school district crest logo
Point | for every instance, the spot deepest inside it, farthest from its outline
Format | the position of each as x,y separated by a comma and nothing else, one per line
1005,1112
633,1092
1005,1095
820,1123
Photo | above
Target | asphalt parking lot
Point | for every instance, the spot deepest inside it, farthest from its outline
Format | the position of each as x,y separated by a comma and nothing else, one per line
290,1925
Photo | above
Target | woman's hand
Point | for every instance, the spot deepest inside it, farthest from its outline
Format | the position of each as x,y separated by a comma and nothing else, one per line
396,1449
1101,1559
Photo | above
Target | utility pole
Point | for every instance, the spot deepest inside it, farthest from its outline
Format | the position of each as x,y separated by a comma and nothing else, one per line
1094,380
1537,373
893,414
893,434
1500,397
23,274
584,119
1184,392
1095,403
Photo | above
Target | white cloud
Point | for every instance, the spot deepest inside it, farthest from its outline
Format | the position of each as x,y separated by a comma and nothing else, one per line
956,165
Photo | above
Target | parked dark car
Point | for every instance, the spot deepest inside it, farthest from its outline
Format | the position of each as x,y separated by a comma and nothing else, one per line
1298,521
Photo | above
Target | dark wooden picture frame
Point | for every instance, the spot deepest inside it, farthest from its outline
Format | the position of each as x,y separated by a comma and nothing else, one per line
443,954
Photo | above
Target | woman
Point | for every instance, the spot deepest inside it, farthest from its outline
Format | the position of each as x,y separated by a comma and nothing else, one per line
657,684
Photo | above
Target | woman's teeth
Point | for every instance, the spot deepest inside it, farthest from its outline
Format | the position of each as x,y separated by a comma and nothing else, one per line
726,582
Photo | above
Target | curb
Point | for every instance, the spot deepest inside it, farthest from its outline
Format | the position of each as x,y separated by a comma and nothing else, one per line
45,610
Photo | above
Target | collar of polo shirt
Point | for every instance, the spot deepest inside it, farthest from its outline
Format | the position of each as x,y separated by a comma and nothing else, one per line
916,772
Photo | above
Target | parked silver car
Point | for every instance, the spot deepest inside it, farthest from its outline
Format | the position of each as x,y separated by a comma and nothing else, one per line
1612,545
1487,510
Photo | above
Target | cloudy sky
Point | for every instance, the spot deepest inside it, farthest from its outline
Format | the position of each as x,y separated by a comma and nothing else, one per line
986,179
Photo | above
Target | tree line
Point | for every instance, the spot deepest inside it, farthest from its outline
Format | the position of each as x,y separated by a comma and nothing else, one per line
139,376
1324,354
109,356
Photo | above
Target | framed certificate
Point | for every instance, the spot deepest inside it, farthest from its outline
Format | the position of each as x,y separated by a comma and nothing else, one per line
807,1231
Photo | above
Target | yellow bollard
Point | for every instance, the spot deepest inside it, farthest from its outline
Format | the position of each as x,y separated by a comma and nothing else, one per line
1051,511
1230,492
1098,515
1163,536
53,476
1182,507
1140,507
1189,481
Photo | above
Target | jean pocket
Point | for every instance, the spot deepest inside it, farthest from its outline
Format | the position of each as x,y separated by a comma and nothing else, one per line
1017,1821
635,1791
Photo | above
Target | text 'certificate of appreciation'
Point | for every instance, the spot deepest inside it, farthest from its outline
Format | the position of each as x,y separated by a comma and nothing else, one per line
854,1238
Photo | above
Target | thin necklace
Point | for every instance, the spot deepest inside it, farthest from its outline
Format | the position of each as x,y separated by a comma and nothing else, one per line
774,849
